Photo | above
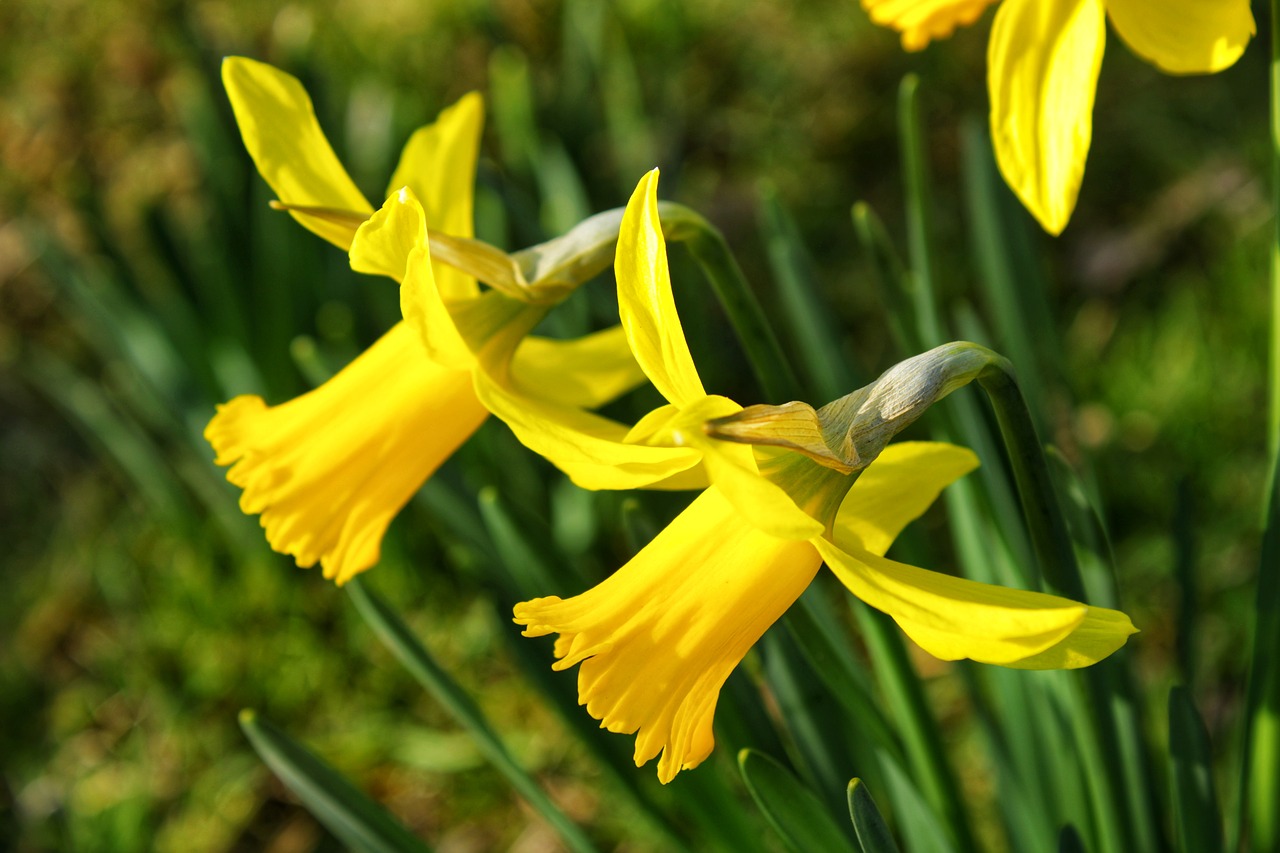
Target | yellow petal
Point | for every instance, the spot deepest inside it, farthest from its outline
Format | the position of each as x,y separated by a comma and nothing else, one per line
1184,36
586,372
589,448
1102,632
328,470
383,243
658,638
439,164
646,303
393,243
286,143
1042,71
954,618
900,485
921,21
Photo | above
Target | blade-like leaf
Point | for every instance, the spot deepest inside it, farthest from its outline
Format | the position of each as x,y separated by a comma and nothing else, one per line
1197,818
357,820
873,834
791,808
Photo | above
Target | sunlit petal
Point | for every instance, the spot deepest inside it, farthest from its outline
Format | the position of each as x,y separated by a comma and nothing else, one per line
1101,633
646,303
1185,36
328,470
657,639
1042,72
897,488
284,139
589,448
439,165
921,21
954,618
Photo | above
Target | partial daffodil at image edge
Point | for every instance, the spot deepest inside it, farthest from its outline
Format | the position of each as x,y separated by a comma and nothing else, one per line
656,640
1043,60
328,470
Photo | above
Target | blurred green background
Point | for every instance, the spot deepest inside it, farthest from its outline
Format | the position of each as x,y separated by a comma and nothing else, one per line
144,279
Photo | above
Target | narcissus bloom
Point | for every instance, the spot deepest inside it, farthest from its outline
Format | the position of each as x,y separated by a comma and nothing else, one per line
330,469
656,640
1042,70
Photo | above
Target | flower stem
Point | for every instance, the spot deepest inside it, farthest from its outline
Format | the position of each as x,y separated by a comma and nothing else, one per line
1273,420
1050,539
769,363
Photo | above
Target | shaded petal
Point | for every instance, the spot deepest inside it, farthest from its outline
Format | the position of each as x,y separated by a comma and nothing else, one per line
921,21
1185,36
646,303
897,488
589,448
284,139
953,618
1042,71
658,638
438,164
328,470
587,372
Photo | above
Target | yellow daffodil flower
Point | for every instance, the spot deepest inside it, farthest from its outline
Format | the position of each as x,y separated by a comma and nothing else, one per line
1042,70
657,639
330,469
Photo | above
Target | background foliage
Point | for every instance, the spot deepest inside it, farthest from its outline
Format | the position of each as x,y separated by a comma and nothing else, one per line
143,279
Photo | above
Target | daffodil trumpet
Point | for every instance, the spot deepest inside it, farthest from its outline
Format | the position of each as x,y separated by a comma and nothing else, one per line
1043,61
786,489
329,470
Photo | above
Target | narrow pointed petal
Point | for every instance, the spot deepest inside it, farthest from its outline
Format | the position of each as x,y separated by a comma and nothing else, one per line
921,21
1101,633
589,448
953,618
1185,36
646,303
1042,71
328,470
284,139
657,639
438,164
904,481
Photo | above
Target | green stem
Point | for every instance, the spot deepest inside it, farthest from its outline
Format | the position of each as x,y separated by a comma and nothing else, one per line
916,168
769,363
1045,522
1273,421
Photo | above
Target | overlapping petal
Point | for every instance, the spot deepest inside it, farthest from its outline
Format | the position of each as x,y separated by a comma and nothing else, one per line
588,371
645,300
904,481
921,21
1042,71
658,638
438,164
1184,36
283,136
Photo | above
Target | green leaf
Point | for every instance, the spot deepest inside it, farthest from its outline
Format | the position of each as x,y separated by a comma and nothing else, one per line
873,834
1260,767
1197,818
355,819
791,808
413,655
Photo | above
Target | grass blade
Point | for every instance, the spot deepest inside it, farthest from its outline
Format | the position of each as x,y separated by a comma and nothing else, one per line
1197,817
357,820
792,809
873,834
397,637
